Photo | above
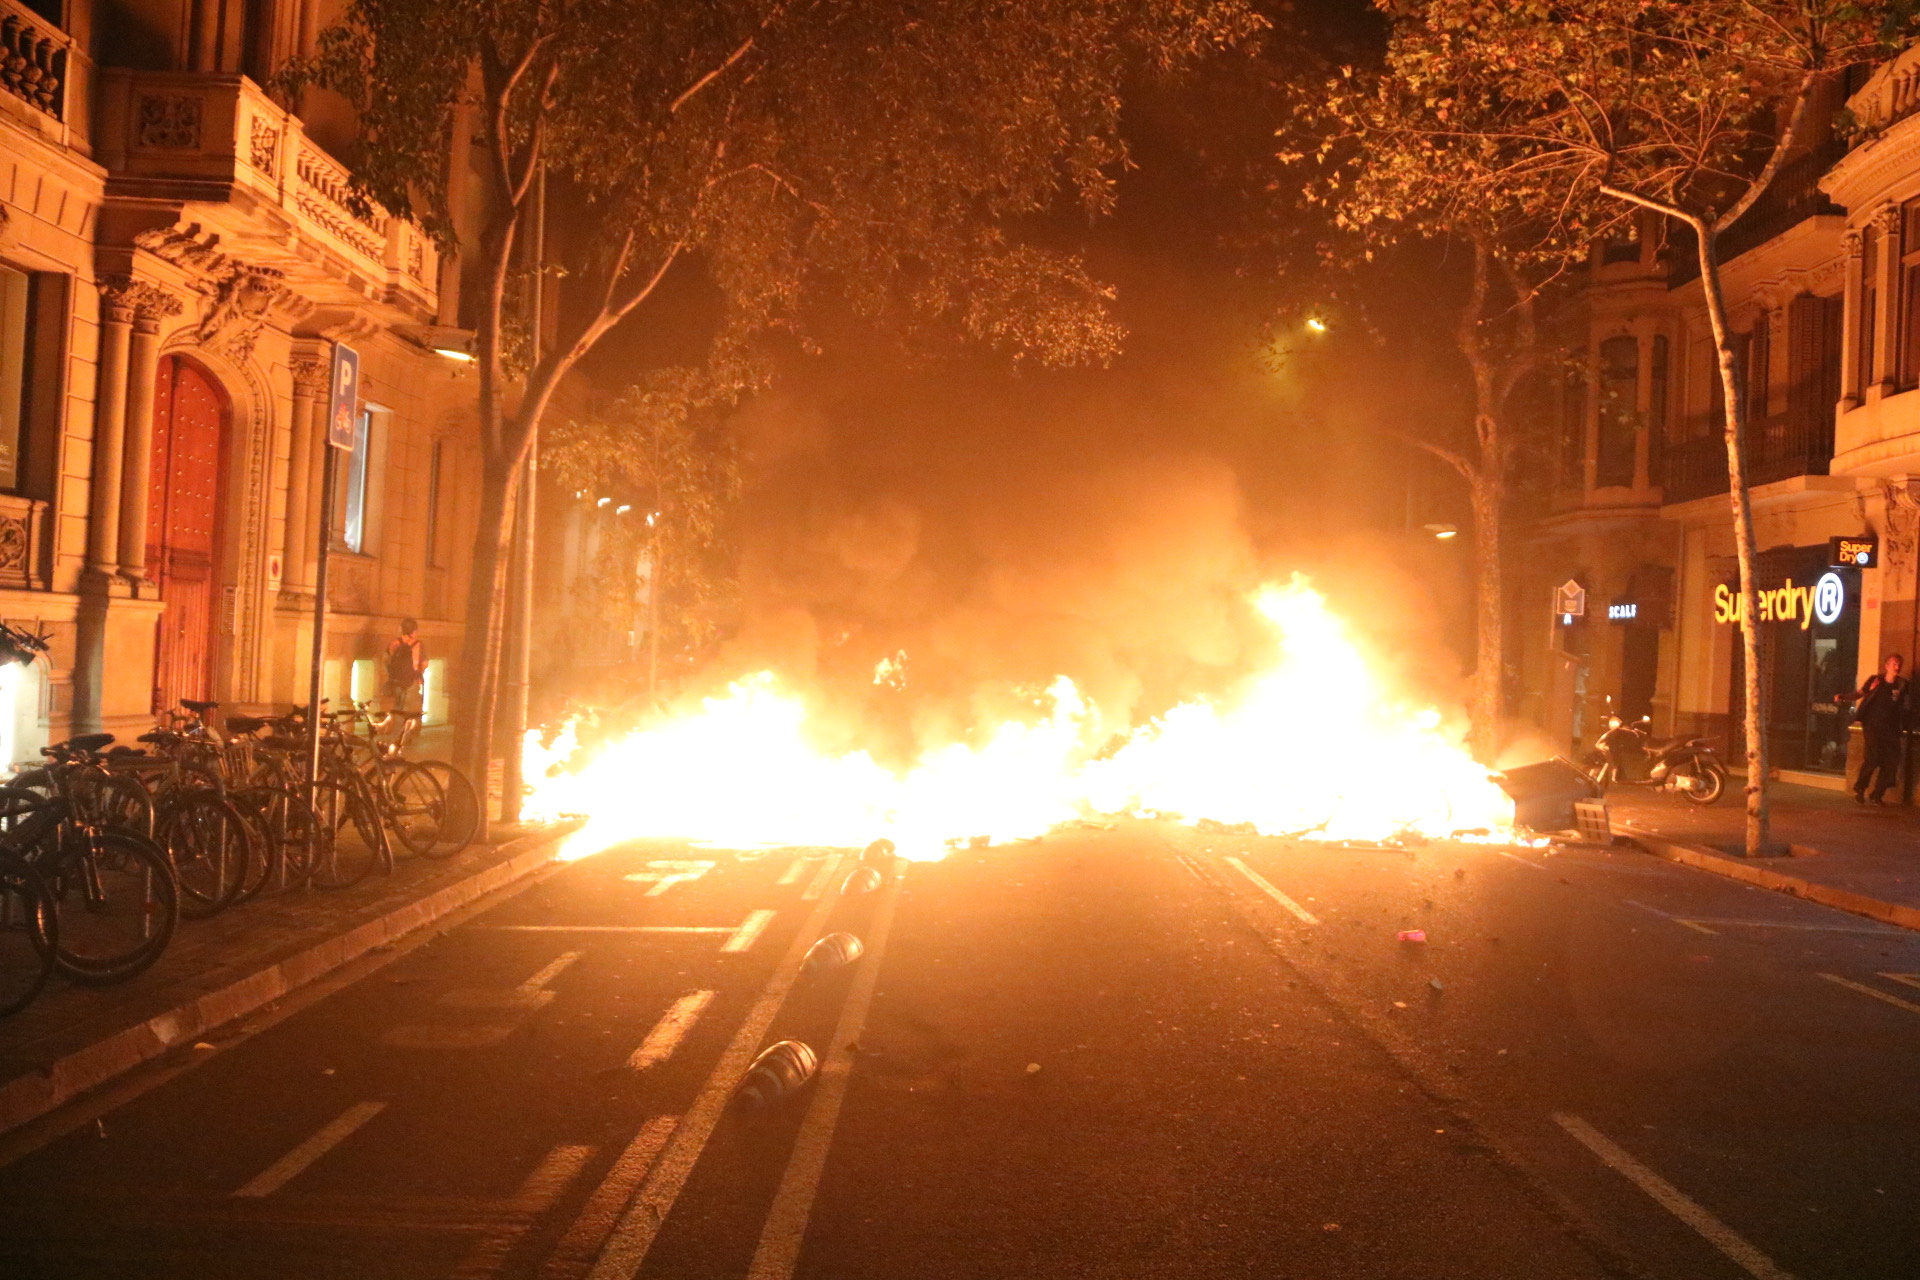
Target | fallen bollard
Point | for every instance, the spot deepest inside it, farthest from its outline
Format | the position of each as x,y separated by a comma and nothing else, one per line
863,880
831,952
879,853
779,1072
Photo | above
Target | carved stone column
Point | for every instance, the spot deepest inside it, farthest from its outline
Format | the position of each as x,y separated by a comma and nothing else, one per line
1886,319
309,396
136,471
118,296
1851,321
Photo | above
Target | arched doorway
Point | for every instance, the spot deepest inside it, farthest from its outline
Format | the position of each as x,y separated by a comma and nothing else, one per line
190,416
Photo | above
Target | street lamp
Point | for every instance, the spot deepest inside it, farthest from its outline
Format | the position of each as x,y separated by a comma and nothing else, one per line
1442,531
1316,324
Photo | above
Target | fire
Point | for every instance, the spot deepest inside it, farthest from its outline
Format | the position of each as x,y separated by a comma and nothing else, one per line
1315,745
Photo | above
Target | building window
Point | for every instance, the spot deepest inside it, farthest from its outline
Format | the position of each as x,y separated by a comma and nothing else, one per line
1813,372
1869,304
1909,354
16,359
1573,423
1619,416
1758,371
352,500
436,491
1657,393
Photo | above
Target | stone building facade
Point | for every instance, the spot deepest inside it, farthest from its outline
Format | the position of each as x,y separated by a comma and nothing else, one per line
178,258
1823,287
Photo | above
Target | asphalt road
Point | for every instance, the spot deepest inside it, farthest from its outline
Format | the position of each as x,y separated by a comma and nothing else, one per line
1148,1052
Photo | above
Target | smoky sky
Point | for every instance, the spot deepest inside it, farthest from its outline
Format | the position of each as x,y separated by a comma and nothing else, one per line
1004,525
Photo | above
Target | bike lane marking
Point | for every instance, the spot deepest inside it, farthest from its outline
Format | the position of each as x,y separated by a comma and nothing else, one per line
822,878
599,1215
1261,883
538,1192
786,1225
749,931
297,1161
670,1030
1694,925
1669,1197
646,1211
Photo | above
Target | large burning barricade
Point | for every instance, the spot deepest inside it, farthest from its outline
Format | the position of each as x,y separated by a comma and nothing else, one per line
1315,746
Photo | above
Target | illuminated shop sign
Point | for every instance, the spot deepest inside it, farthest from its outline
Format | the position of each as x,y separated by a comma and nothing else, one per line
1823,602
1862,552
1623,611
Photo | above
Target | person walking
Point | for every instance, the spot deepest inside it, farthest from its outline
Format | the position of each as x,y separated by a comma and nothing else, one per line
1880,708
406,669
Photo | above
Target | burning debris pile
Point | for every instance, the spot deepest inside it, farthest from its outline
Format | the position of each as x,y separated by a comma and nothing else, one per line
1314,746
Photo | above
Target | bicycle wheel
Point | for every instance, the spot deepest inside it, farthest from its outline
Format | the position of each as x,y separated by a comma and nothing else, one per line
282,829
436,812
117,905
29,934
115,800
350,842
209,844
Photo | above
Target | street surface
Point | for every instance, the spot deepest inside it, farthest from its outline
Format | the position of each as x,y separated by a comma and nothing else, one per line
1145,1052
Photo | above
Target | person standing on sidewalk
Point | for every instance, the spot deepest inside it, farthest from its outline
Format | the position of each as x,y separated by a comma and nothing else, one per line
406,669
1881,710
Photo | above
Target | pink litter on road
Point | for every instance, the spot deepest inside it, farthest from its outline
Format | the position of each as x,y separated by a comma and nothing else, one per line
1412,935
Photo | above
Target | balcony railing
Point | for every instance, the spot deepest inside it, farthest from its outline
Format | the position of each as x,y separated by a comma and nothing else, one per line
218,138
1790,199
1890,95
33,59
1778,448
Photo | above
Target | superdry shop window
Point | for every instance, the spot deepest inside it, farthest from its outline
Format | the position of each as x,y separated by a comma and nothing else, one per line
1809,645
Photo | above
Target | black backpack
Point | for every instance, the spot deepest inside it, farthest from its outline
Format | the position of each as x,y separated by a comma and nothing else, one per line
400,662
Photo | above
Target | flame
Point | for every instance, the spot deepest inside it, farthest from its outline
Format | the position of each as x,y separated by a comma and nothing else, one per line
1315,745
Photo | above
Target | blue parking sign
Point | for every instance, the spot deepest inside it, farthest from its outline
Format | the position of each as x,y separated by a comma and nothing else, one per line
343,408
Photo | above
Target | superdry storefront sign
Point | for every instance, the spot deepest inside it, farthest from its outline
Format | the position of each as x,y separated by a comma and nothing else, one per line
1823,602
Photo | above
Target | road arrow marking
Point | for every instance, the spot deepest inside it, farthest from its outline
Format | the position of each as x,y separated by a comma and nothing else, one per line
667,873
549,1179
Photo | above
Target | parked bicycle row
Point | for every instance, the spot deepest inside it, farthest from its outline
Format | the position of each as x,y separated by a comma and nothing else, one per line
105,847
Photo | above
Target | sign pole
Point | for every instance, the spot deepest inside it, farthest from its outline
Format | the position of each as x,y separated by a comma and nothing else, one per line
343,409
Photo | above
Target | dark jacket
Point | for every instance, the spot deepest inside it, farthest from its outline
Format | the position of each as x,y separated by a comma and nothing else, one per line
1881,704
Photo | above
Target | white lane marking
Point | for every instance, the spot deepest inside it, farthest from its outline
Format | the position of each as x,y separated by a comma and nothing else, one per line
1866,990
552,971
1906,979
549,1179
786,1226
749,931
1261,883
670,1030
602,1210
1789,924
821,879
1673,1200
1694,925
1525,862
607,928
627,1244
668,873
455,1035
794,871
295,1162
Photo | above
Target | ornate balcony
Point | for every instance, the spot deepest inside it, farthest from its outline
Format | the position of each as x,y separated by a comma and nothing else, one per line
1779,447
41,68
219,143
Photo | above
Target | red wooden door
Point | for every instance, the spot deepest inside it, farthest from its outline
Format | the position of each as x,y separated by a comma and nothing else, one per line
189,437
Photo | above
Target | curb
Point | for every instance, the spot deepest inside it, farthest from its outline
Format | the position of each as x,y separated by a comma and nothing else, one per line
1859,904
58,1082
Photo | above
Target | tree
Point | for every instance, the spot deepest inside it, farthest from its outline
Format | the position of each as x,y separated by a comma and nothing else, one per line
1575,117
778,148
661,456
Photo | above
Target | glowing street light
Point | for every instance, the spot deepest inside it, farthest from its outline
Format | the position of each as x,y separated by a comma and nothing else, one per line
1316,324
1442,531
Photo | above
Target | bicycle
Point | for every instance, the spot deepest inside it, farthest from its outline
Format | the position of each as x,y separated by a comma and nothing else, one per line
428,804
29,932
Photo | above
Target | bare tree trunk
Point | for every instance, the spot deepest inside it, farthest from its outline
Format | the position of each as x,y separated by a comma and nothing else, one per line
480,647
1734,393
1487,490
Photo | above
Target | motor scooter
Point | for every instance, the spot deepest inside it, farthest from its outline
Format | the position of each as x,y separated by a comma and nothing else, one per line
1628,754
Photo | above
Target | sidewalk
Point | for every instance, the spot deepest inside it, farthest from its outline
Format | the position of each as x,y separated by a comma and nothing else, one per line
1860,859
73,1039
